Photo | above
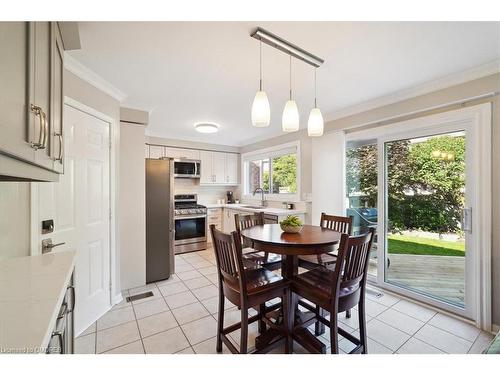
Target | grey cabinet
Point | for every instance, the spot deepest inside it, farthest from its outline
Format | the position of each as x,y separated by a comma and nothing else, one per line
62,340
15,90
56,100
31,94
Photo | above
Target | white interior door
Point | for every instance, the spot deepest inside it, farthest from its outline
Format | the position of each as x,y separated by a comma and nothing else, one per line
79,204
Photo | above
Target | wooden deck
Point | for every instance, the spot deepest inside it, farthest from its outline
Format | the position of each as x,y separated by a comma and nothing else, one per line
439,276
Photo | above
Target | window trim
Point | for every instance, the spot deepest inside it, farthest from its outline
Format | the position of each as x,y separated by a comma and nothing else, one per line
268,153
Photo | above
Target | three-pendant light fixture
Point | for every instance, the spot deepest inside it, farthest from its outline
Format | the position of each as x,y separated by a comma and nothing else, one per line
261,111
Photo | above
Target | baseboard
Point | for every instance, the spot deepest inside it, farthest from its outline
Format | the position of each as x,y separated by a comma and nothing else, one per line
117,298
495,328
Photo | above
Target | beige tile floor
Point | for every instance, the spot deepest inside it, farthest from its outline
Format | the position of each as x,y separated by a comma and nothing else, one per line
181,316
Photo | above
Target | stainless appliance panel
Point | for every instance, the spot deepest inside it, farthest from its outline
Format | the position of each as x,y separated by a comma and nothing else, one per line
192,246
190,228
184,168
159,219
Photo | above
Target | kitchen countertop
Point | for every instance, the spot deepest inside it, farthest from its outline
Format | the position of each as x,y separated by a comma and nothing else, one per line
266,210
32,290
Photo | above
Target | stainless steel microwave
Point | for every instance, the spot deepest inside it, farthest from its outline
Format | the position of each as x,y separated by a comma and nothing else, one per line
187,168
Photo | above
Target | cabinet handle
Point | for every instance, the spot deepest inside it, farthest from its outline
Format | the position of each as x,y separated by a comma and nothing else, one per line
45,130
61,147
61,339
72,288
38,112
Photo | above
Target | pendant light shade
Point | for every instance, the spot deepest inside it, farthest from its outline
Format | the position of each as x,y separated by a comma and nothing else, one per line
261,111
290,117
315,124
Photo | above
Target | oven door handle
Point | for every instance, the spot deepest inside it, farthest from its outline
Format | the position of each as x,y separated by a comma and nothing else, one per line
190,217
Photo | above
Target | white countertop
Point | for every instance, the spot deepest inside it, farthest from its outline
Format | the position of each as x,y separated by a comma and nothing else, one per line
266,210
32,290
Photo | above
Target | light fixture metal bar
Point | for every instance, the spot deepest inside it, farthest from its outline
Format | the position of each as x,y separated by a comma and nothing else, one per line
285,46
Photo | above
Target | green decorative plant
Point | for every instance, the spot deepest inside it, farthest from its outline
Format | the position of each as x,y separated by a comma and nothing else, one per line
292,224
291,221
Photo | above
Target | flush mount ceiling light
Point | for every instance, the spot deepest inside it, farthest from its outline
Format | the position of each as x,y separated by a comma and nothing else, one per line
206,127
290,118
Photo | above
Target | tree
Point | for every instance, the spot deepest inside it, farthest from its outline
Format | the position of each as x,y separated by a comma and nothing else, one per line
284,169
424,191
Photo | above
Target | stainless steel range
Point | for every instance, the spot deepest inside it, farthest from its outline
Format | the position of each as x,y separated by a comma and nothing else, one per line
190,224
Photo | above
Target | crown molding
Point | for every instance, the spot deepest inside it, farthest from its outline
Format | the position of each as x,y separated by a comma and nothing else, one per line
454,79
88,75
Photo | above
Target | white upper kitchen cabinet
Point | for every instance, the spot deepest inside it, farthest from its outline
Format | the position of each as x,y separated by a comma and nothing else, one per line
232,169
206,175
156,152
218,168
178,153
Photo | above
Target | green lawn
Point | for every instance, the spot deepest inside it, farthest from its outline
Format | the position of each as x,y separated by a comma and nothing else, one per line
399,244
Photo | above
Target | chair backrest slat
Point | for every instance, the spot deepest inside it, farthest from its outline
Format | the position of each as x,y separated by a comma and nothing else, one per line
228,256
247,221
342,224
351,267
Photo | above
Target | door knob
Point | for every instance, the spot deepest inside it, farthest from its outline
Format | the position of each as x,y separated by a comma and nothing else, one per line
47,245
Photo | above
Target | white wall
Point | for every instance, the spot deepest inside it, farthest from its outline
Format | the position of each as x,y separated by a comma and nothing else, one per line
328,175
14,219
132,217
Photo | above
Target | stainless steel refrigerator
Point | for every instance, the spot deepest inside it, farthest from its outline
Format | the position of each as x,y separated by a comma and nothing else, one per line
159,219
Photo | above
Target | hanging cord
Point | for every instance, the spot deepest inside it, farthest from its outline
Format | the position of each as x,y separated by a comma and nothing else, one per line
290,77
315,96
260,66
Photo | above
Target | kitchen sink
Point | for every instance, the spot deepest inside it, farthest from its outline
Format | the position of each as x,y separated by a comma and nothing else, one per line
255,207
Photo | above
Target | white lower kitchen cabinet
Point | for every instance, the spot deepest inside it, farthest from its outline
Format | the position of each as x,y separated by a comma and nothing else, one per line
229,224
214,216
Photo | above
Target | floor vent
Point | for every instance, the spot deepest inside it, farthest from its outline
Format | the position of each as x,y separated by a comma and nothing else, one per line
374,293
140,296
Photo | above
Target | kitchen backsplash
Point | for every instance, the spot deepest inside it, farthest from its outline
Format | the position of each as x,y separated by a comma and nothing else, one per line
206,194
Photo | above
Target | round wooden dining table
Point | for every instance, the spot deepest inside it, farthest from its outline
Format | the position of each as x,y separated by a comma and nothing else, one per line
311,240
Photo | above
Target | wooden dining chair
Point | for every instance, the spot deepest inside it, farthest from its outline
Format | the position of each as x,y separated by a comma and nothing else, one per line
246,288
339,290
260,258
342,224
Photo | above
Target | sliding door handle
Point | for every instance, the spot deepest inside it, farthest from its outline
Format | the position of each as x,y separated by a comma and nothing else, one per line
467,219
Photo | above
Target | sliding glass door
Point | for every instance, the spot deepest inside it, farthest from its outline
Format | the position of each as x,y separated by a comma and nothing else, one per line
425,217
423,184
361,191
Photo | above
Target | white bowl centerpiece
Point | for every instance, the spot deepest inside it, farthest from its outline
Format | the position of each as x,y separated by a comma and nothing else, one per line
292,224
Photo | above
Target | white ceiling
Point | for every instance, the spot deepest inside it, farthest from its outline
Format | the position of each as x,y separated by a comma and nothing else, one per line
186,72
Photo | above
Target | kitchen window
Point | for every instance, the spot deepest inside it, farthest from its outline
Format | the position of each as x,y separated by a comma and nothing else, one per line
275,170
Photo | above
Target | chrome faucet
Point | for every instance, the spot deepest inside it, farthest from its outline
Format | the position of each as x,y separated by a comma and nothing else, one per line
263,198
